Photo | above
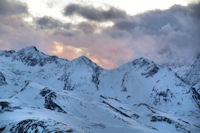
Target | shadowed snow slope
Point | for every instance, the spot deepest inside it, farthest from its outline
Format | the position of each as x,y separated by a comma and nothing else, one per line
41,93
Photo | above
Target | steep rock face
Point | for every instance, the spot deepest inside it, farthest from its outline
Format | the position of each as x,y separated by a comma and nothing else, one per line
196,93
2,79
193,76
197,87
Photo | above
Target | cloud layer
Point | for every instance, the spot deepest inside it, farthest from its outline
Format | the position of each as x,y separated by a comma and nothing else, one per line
10,8
94,14
165,36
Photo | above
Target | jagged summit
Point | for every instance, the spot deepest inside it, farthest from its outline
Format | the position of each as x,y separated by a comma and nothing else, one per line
31,56
30,49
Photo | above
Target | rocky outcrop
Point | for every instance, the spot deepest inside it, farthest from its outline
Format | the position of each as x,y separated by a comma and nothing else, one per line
49,100
196,93
6,107
161,96
178,126
39,126
150,68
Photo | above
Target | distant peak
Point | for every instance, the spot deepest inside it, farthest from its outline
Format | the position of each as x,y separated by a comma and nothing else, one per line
82,58
85,60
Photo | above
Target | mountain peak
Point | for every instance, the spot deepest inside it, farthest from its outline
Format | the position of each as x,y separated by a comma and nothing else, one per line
84,59
147,67
85,62
31,52
30,49
32,56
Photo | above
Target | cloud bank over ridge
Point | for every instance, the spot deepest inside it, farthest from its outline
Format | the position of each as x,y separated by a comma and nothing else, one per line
110,37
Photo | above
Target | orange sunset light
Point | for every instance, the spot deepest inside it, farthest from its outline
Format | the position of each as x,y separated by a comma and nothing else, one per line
70,52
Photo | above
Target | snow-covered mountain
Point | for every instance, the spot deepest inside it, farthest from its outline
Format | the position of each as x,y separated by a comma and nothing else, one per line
41,93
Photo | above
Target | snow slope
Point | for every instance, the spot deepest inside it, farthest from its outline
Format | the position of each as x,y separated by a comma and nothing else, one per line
41,93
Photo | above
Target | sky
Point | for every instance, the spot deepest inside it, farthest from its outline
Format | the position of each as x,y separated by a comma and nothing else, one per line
109,32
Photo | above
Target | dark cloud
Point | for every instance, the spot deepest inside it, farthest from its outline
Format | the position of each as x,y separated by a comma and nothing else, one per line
195,13
125,25
12,7
195,10
151,22
65,29
55,26
87,27
94,14
164,35
64,33
14,32
48,23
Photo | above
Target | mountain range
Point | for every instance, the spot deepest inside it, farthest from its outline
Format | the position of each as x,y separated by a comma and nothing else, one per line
42,93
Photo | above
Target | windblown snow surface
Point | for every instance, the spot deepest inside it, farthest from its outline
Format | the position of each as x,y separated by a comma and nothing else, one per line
41,94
